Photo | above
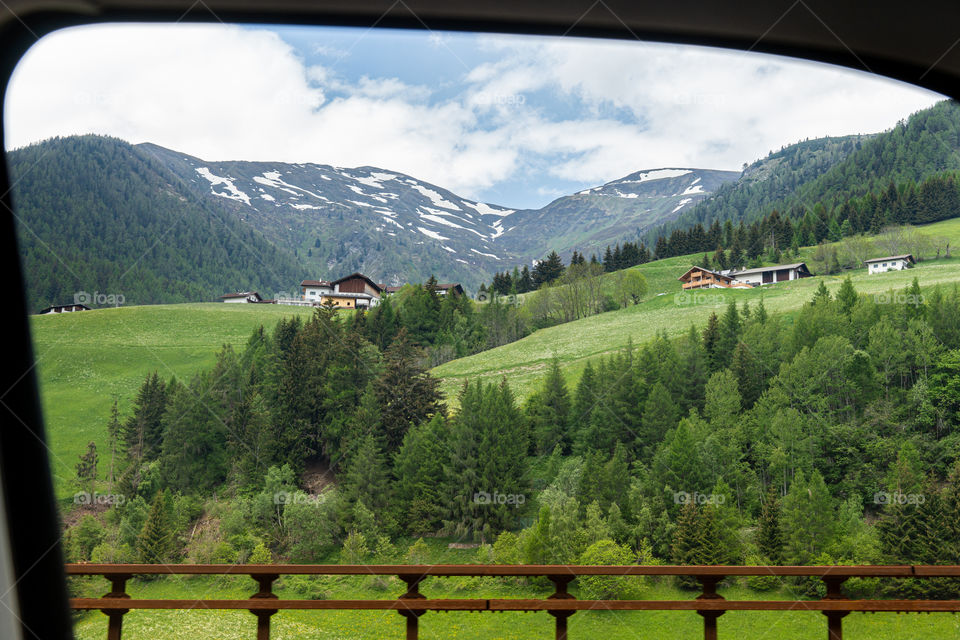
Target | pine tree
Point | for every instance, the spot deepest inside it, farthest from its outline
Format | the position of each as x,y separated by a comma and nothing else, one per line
113,434
143,431
711,343
846,296
749,373
729,335
585,400
366,480
550,417
659,416
87,468
769,532
405,391
418,473
155,542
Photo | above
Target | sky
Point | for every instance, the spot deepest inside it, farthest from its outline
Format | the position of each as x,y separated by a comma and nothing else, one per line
510,120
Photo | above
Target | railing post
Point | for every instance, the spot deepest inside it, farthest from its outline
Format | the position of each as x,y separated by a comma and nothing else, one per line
709,584
118,585
560,584
835,618
265,582
413,593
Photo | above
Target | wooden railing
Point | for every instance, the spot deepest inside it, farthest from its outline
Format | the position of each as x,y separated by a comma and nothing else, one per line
561,604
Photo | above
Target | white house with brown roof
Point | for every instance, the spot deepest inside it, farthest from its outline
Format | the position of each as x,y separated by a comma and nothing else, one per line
890,263
770,275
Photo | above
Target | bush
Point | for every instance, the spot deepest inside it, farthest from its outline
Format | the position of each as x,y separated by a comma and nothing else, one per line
608,552
418,553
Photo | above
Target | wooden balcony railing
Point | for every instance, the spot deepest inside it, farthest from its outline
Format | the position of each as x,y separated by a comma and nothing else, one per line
561,604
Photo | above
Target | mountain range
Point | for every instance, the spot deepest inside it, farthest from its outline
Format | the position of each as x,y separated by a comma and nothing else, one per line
98,214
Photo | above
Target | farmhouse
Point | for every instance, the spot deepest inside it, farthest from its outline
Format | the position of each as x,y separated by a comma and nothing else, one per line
770,275
242,297
444,289
64,308
700,278
890,263
355,291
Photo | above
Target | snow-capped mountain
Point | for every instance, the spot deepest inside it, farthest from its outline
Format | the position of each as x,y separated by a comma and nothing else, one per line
590,219
381,222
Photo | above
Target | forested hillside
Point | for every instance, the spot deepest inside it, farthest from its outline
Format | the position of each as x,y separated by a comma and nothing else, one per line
833,171
96,214
756,437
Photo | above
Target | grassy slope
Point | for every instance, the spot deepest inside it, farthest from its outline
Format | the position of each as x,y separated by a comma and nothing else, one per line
86,359
575,343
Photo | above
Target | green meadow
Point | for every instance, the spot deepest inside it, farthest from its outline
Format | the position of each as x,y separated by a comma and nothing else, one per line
85,360
668,310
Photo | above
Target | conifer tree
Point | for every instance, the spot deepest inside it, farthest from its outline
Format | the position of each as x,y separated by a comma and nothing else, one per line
659,416
155,542
87,468
143,431
550,414
769,532
418,473
711,343
406,393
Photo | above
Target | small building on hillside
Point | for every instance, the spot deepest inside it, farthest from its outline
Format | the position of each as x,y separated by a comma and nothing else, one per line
890,263
770,275
242,297
314,290
444,289
355,291
64,308
700,278
357,283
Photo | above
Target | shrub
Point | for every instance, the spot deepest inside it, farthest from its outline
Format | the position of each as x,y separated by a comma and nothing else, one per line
608,552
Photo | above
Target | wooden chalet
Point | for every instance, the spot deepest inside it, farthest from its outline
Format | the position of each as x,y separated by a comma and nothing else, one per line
700,278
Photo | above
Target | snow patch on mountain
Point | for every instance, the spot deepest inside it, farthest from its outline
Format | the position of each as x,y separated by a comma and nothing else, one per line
682,204
657,174
233,192
431,234
434,197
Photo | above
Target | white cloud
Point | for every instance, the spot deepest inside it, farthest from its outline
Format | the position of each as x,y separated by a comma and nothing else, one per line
232,93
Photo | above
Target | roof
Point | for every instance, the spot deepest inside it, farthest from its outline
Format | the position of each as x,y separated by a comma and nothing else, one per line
364,296
358,275
74,307
455,286
905,256
241,294
393,289
315,283
776,267
716,273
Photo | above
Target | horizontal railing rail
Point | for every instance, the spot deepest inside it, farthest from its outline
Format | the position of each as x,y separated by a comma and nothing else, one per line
561,604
